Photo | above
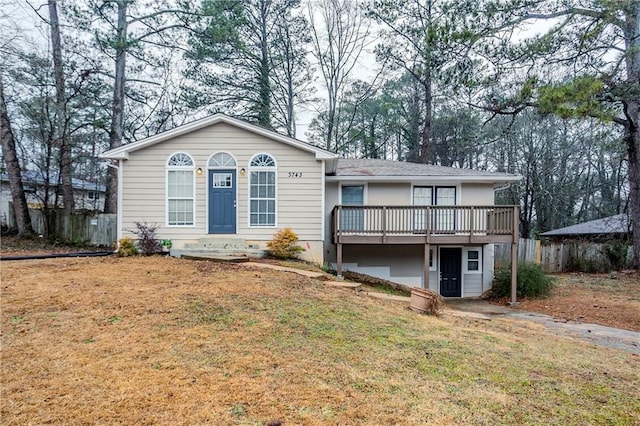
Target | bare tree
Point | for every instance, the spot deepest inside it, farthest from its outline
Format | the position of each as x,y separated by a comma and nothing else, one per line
62,135
339,31
122,29
10,154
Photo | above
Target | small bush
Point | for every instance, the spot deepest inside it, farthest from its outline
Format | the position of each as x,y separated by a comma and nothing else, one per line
283,245
532,281
147,241
126,247
616,253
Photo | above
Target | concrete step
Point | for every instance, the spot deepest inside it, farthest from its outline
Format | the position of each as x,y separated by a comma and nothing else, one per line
218,258
344,284
227,243
203,251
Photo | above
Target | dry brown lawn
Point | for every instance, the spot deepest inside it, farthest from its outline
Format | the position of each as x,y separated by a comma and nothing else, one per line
612,300
167,341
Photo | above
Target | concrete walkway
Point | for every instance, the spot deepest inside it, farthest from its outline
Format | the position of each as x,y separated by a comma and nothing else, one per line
593,333
310,274
339,284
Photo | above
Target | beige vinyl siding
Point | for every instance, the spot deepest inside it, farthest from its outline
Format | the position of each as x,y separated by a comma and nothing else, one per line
389,194
473,194
398,263
299,200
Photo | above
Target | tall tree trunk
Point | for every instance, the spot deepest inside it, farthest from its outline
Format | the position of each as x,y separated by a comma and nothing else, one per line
20,208
264,109
632,138
427,131
117,115
62,137
632,128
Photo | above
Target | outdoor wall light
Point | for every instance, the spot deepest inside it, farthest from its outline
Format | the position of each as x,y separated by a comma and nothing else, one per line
199,170
243,171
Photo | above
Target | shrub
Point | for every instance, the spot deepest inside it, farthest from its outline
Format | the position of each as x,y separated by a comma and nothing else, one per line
283,245
126,247
532,281
147,241
616,253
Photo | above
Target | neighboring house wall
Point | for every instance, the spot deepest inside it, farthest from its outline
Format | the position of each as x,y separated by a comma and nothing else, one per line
84,200
299,187
404,263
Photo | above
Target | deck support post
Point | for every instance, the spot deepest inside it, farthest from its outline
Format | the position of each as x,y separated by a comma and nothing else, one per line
514,257
425,281
339,261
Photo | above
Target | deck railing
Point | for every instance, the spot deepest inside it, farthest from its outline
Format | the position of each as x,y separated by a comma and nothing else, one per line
417,221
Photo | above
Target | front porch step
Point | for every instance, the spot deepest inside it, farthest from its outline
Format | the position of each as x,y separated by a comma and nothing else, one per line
217,258
221,244
219,252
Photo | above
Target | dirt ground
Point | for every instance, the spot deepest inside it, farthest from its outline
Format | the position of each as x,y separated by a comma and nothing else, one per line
606,299
158,340
13,246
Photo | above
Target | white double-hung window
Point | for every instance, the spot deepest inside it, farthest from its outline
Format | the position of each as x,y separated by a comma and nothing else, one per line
262,191
180,190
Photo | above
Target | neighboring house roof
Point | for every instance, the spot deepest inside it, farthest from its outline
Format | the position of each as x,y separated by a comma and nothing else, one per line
386,170
123,151
36,177
617,224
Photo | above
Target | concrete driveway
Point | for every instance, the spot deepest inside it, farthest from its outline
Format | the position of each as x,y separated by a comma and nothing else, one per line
593,333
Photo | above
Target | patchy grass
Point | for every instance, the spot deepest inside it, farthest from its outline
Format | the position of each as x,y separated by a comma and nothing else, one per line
149,340
612,300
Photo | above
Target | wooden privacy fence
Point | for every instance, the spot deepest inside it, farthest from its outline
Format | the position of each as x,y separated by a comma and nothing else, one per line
583,256
528,251
95,228
578,256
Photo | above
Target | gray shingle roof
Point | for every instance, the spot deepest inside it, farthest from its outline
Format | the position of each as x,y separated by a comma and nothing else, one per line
38,178
617,224
376,167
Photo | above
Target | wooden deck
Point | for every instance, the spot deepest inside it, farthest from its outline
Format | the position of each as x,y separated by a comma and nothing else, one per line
424,224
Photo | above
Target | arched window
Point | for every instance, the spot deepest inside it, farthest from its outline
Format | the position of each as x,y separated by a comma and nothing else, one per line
180,190
221,159
262,191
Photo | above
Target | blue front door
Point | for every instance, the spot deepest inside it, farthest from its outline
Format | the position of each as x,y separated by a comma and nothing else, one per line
222,201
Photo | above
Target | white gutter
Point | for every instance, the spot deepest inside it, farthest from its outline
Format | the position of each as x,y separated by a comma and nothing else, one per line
465,179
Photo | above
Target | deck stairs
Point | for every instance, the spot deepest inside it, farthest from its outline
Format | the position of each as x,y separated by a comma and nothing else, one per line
229,249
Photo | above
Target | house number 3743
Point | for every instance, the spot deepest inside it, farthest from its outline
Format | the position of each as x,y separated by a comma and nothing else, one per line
295,174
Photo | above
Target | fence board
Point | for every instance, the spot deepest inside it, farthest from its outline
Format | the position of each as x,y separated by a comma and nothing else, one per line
98,229
584,256
528,251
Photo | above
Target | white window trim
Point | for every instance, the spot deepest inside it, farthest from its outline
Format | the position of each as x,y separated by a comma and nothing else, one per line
433,187
235,160
169,168
365,191
273,169
465,260
434,265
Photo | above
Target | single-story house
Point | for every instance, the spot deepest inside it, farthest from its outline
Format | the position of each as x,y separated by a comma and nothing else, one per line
87,195
219,178
607,228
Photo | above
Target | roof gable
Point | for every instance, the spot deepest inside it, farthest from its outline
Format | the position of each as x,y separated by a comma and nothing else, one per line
123,151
